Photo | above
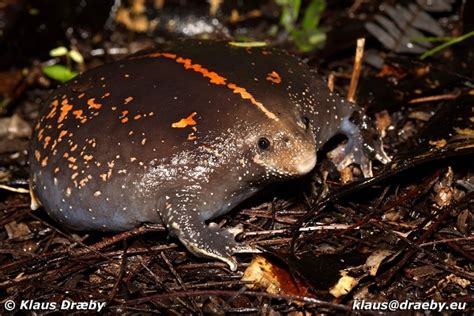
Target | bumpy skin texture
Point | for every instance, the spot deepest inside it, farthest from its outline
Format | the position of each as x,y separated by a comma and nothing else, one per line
180,135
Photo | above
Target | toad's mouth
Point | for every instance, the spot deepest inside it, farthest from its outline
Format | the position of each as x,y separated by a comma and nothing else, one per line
306,165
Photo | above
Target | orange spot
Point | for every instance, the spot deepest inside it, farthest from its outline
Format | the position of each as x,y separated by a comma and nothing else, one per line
184,122
128,100
85,180
93,105
74,147
274,77
191,136
88,157
53,106
46,141
107,175
61,135
54,146
65,155
40,134
74,176
80,96
137,117
168,55
56,170
245,95
44,162
37,155
78,115
214,77
105,95
72,159
123,117
64,110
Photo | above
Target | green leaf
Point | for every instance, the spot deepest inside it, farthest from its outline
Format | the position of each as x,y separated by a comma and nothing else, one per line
295,5
307,41
313,13
248,44
305,33
446,45
58,51
76,56
59,72
289,13
431,39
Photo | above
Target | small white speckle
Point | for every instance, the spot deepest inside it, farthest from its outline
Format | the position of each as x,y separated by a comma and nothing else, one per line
175,225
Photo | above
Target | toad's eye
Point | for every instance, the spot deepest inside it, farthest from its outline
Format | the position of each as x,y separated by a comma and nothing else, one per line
263,143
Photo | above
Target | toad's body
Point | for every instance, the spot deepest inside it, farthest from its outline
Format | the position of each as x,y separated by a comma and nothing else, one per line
181,135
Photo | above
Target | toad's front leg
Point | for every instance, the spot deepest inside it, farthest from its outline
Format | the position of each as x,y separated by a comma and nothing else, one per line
184,221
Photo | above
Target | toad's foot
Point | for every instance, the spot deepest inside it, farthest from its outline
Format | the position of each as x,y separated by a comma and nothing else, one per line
363,145
208,241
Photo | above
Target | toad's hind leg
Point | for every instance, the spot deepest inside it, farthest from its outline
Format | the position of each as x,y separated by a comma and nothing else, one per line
200,239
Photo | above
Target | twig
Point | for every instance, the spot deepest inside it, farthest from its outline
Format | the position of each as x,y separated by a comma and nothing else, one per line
431,98
357,67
